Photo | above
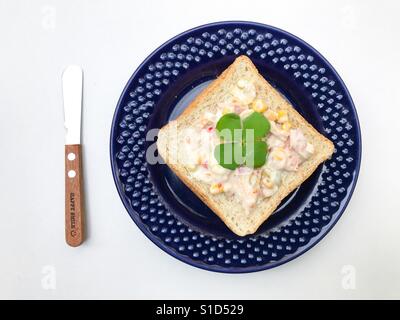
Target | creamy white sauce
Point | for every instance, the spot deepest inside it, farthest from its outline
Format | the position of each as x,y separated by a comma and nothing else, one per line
287,150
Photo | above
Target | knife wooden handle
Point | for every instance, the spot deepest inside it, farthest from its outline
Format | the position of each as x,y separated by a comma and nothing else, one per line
73,196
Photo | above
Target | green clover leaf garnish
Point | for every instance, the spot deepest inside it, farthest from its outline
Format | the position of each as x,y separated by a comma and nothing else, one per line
255,153
257,122
229,155
227,125
243,140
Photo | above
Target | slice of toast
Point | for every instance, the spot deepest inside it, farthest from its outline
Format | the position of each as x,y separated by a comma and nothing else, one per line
230,210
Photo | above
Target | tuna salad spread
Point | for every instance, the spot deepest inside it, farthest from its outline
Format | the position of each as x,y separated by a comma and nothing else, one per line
287,149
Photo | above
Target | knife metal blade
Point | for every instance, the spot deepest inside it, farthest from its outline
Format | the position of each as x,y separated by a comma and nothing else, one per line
72,80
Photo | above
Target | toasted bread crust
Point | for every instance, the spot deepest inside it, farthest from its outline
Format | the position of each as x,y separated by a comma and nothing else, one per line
326,149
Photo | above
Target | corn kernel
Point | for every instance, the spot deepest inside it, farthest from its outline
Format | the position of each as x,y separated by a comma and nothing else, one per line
259,105
282,116
282,113
226,110
271,115
268,184
279,154
286,126
216,188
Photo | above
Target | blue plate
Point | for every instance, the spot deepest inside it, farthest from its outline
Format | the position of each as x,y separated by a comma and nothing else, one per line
167,211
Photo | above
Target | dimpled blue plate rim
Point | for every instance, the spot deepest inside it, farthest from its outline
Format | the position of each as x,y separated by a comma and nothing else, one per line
295,68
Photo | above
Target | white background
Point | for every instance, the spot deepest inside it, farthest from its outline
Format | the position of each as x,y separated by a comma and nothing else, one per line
109,39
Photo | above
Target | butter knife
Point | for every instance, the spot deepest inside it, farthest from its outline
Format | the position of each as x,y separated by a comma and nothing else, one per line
72,85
